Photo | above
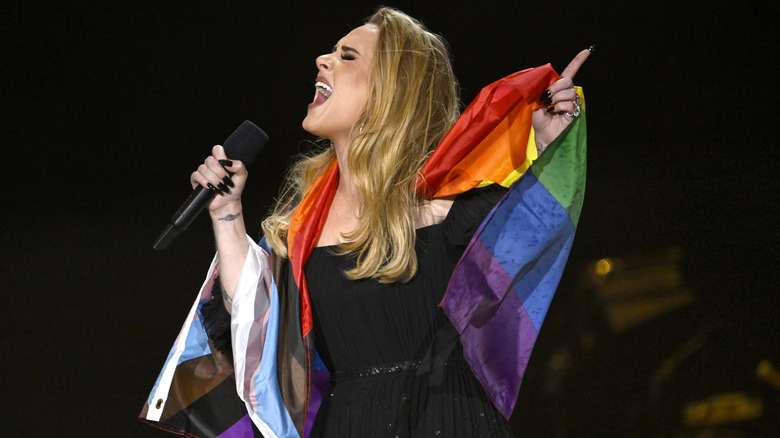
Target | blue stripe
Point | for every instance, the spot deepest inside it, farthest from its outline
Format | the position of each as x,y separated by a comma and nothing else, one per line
537,289
529,235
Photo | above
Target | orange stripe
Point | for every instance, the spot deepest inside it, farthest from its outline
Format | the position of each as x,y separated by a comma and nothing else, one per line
303,234
498,122
494,158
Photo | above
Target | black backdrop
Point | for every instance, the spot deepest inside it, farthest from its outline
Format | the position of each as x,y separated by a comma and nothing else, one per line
108,107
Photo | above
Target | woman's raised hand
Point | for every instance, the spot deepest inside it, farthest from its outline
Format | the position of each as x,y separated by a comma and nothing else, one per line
223,176
562,105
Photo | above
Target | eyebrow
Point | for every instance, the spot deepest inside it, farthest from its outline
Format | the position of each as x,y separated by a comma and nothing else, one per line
346,49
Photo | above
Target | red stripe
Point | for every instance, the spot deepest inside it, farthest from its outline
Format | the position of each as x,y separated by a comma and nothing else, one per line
476,149
309,218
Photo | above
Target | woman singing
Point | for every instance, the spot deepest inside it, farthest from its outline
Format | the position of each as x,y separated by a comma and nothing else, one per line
361,250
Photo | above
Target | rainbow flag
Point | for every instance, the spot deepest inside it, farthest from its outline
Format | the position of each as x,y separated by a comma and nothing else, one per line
503,285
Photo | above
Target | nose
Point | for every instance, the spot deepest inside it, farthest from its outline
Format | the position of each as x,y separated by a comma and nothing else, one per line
324,62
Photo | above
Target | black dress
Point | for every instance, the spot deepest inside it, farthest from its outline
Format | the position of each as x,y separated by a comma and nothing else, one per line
374,337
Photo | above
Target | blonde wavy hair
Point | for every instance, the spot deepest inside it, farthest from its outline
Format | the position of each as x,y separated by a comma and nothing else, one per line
413,102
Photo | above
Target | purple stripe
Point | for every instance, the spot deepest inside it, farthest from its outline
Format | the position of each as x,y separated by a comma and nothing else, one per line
479,273
241,429
506,343
320,386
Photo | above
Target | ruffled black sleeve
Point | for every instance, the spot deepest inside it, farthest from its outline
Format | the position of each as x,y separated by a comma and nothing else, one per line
216,319
468,211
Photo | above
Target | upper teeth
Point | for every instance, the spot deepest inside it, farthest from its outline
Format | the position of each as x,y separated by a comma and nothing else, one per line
324,88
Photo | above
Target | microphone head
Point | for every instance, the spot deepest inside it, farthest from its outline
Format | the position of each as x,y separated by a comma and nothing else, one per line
245,143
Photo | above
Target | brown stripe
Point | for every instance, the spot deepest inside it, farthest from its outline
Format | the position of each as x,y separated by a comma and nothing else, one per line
194,378
292,366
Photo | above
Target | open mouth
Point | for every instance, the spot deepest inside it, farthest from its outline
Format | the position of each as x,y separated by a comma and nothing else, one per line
324,91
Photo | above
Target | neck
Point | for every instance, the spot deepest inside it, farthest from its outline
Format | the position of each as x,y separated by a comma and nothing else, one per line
343,214
346,186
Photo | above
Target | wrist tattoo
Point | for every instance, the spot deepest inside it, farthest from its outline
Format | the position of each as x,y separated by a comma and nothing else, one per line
230,217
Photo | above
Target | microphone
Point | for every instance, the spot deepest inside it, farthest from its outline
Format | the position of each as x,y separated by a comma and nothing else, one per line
243,144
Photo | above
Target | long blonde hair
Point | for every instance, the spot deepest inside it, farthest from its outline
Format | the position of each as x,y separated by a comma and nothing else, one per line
413,103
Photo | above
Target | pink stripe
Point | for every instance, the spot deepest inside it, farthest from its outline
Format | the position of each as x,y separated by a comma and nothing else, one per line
254,356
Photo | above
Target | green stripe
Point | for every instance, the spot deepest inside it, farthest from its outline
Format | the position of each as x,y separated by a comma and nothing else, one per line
561,168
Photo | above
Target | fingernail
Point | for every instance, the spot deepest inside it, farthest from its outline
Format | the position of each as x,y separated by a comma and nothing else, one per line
548,101
223,187
545,96
592,46
550,109
226,163
211,187
228,182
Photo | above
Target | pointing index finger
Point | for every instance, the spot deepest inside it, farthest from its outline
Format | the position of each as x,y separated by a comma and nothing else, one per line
576,63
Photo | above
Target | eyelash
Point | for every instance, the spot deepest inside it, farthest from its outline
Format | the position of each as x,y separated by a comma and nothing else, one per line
347,57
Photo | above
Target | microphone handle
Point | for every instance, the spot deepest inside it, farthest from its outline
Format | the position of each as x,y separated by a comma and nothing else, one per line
181,220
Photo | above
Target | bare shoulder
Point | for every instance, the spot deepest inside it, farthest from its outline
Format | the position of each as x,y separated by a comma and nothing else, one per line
434,211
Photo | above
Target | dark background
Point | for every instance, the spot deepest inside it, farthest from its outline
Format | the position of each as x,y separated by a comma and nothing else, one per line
107,108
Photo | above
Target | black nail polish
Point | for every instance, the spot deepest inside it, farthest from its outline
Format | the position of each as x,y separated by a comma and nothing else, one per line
550,109
546,95
226,163
211,187
548,101
591,48
223,187
228,182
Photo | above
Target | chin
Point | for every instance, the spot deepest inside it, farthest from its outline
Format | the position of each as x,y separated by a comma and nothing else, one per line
307,126
317,127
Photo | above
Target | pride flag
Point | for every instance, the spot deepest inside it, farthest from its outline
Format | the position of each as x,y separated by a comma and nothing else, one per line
504,283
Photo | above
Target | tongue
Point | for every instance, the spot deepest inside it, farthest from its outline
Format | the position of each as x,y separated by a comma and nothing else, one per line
319,98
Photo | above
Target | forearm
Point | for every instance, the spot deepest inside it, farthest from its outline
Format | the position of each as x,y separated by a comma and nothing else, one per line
232,247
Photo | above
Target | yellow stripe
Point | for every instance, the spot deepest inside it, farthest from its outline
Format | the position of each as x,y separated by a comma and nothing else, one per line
531,153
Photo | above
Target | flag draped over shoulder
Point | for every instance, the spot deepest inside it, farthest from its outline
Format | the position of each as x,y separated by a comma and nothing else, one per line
503,286
488,143
497,298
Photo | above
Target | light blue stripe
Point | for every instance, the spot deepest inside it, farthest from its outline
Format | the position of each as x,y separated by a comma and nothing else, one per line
270,404
197,342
